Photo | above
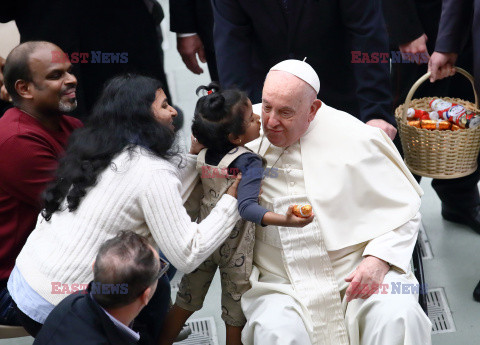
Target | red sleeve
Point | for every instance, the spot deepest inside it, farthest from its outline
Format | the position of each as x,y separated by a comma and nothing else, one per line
27,165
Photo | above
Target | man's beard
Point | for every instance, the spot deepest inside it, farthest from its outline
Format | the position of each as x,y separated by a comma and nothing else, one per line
67,106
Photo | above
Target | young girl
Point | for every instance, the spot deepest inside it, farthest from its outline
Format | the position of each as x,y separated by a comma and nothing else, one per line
224,122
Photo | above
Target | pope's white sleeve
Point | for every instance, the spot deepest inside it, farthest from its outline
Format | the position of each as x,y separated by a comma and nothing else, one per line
396,246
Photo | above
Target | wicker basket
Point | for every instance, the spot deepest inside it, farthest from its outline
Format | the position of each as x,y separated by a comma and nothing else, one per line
438,154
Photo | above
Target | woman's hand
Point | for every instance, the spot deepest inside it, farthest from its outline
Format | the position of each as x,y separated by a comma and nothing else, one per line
195,146
294,221
232,190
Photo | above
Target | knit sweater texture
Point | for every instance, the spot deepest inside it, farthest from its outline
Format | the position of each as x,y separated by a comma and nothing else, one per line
140,192
28,159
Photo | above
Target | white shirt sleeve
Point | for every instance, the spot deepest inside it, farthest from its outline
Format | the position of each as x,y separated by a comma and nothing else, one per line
186,34
396,246
186,244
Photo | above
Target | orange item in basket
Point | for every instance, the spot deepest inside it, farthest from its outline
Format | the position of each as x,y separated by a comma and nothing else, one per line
303,211
414,123
455,127
432,124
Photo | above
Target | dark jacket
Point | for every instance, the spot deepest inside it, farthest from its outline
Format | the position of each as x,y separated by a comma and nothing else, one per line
79,320
195,16
458,17
252,35
122,27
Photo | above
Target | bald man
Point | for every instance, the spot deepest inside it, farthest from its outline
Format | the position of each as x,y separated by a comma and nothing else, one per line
336,281
125,276
33,135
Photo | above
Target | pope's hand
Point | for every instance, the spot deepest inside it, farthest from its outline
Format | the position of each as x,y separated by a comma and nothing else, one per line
385,126
367,278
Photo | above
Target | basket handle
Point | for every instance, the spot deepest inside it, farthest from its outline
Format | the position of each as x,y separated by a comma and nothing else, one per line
425,77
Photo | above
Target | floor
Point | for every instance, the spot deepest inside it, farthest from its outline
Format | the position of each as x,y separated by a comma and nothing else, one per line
455,248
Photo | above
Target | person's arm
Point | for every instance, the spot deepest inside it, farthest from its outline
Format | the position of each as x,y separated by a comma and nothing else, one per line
405,30
453,28
183,20
250,166
186,244
364,22
232,35
27,165
394,248
403,23
454,25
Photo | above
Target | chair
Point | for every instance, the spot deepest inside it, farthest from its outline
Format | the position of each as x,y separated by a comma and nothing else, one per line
7,332
417,264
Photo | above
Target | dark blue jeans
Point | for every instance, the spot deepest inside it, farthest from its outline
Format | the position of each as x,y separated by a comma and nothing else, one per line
8,314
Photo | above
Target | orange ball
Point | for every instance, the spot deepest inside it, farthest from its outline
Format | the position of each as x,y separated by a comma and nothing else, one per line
303,211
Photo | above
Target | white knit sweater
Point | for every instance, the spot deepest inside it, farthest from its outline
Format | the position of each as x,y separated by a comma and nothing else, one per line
138,192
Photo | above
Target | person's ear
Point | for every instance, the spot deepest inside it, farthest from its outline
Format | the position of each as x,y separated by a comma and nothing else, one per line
146,295
23,89
235,140
313,109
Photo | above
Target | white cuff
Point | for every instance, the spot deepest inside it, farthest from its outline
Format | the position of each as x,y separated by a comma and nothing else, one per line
186,35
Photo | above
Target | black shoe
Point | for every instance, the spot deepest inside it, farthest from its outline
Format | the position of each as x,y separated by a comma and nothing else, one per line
466,216
184,333
476,293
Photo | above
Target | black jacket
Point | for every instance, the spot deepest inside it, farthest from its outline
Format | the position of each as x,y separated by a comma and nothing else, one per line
458,18
252,35
108,26
195,16
79,320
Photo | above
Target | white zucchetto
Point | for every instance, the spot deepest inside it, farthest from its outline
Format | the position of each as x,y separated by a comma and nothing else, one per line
300,69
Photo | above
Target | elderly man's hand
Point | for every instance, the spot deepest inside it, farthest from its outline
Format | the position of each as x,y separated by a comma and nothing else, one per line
441,65
385,126
189,47
416,50
366,279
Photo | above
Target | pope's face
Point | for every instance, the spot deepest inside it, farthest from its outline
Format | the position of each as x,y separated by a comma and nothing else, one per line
286,108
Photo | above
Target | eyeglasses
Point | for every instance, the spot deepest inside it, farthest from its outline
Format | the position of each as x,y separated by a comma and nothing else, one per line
164,266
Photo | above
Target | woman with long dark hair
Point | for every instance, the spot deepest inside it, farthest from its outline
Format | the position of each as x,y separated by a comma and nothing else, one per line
119,172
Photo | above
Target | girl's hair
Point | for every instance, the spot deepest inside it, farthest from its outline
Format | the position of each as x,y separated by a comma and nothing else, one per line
121,118
218,114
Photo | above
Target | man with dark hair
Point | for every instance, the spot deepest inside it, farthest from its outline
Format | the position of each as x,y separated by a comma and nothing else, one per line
33,135
125,275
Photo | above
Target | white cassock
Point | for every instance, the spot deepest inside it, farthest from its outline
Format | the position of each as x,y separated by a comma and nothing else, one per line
366,202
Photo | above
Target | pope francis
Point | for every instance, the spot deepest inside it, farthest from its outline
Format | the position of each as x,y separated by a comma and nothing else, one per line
342,278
